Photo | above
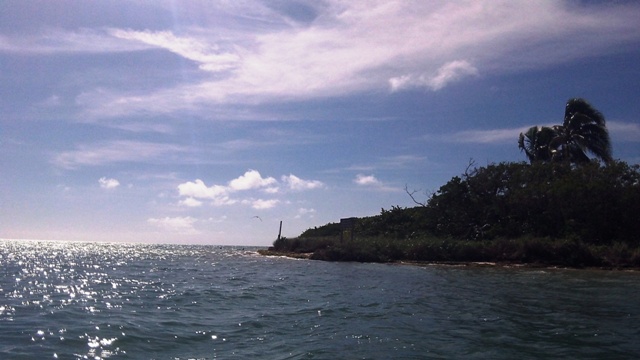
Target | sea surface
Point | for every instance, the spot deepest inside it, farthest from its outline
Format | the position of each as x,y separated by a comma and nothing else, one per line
74,300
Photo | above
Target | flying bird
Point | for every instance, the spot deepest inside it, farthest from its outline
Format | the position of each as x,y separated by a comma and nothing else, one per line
257,217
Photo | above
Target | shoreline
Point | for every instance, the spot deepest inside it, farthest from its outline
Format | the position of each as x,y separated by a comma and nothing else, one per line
293,255
470,264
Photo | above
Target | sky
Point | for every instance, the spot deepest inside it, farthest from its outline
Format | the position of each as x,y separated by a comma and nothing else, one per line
210,122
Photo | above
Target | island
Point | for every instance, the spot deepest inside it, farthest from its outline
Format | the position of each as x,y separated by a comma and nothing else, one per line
563,208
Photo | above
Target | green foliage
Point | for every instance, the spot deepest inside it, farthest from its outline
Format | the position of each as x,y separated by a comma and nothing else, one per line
548,212
396,223
330,229
531,250
302,245
593,203
535,143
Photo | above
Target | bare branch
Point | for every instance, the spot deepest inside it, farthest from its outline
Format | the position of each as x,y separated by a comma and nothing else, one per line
471,167
411,195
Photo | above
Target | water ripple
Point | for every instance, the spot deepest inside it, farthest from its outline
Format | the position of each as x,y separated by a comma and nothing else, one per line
96,300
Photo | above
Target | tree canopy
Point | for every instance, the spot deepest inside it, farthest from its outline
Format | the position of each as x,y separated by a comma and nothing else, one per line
593,203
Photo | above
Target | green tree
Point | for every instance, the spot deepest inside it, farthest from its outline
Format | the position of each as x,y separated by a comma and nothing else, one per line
583,131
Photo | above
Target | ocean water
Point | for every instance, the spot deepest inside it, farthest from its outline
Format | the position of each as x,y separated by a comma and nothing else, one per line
72,300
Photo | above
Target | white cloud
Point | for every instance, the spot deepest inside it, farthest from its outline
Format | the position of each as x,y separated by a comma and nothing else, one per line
261,204
304,211
217,220
208,55
223,200
182,225
297,184
450,72
191,202
197,189
108,183
251,180
367,180
370,182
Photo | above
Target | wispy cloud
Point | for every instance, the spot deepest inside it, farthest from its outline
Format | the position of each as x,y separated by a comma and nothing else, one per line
305,212
620,130
141,127
182,225
53,41
207,55
624,131
448,73
492,136
422,44
116,152
387,162
371,182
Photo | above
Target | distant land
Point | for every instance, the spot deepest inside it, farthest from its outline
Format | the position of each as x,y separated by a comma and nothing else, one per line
540,214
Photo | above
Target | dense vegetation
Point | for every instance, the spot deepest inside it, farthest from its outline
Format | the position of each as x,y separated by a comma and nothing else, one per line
550,213
560,209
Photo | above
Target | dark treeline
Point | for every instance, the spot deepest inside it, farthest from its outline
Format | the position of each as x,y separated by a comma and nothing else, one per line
595,204
592,203
544,212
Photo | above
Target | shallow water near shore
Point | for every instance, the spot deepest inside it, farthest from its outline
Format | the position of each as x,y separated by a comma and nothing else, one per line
71,300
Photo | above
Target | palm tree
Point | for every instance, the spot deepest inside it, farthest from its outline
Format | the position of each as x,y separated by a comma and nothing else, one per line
535,143
583,130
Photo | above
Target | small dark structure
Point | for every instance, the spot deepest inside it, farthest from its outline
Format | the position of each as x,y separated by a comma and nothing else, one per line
347,227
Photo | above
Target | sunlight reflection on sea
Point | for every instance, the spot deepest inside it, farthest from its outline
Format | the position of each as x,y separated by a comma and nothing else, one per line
100,300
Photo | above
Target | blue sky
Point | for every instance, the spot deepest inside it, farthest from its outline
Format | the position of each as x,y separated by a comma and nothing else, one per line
180,121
